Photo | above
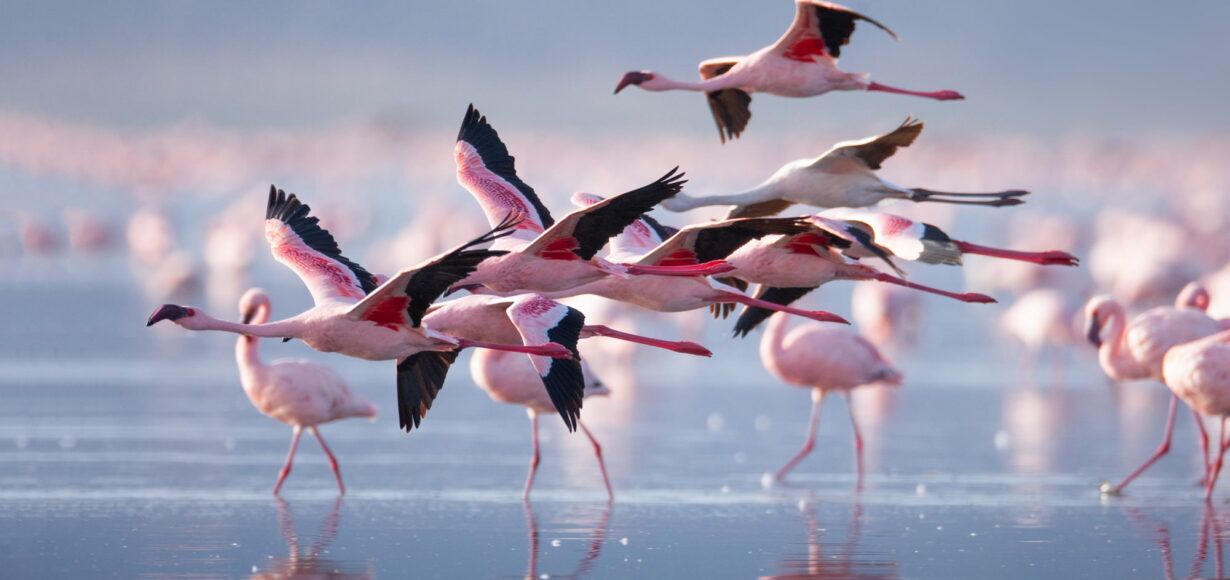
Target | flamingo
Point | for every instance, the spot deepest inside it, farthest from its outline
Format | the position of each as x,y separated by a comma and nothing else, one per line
844,176
355,317
514,379
887,315
540,254
824,359
299,393
1135,350
1043,317
1198,372
645,241
802,63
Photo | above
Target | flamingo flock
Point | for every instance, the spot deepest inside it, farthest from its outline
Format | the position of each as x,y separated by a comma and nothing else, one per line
516,292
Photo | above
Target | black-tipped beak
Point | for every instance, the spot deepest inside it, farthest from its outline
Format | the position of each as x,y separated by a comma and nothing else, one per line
249,315
1093,332
632,78
167,312
285,339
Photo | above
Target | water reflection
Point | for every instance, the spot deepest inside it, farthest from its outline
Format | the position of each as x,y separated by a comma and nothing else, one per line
597,537
309,564
833,559
1209,539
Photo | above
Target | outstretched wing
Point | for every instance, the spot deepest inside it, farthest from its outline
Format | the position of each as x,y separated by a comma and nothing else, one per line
819,30
753,316
404,298
540,320
872,151
638,238
701,243
859,241
420,377
489,173
900,236
585,231
297,241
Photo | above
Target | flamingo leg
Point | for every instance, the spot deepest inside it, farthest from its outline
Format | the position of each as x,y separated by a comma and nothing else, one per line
937,95
1051,258
598,455
710,268
684,346
1203,435
337,471
532,525
817,399
858,438
1216,469
534,459
1161,450
818,315
1003,198
290,456
973,297
552,350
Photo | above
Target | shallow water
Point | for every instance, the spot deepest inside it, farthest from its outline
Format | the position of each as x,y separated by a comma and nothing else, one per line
127,451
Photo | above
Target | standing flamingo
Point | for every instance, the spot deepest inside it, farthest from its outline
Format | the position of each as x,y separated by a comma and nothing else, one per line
844,176
299,393
355,317
1198,372
823,358
540,254
517,380
1135,350
802,63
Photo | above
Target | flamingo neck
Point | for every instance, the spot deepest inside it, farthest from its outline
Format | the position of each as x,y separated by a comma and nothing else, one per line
286,328
1113,358
771,348
668,84
247,351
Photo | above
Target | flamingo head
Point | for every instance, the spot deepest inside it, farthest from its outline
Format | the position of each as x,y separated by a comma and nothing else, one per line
1194,295
171,312
644,79
1097,311
253,304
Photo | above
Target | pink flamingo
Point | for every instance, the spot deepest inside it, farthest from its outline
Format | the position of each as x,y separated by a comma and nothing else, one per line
823,358
1040,318
1198,372
802,63
299,393
514,379
844,176
355,317
888,315
1135,350
540,254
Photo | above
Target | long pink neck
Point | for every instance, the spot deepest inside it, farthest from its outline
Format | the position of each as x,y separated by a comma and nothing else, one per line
713,84
247,353
1111,356
774,335
287,328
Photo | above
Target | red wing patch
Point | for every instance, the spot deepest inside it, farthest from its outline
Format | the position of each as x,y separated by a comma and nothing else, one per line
322,268
894,224
804,49
536,306
561,249
390,313
806,244
683,257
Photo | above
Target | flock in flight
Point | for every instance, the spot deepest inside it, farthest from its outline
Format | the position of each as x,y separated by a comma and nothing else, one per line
517,278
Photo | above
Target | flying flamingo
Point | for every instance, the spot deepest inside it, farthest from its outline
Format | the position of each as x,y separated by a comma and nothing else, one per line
299,393
355,317
645,241
514,379
802,63
844,176
1198,372
1135,350
823,358
540,254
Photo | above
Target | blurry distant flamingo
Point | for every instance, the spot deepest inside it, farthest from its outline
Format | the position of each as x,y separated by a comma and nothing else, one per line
86,231
887,315
355,317
539,254
1040,318
150,235
35,234
844,176
300,393
1199,373
1142,259
802,63
1135,350
511,378
823,358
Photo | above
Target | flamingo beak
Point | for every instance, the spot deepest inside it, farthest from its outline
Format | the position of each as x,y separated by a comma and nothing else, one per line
631,78
168,312
286,339
1093,332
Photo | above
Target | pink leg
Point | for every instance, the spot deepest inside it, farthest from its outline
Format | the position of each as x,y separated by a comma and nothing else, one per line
532,525
1216,469
858,439
337,471
601,464
962,296
294,445
1052,258
819,315
529,479
1161,450
683,346
1203,435
550,349
937,95
817,399
711,268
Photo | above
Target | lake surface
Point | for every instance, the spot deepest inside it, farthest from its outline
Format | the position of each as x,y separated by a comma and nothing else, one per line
127,451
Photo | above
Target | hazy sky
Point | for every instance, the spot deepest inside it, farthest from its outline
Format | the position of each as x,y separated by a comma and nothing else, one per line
1040,67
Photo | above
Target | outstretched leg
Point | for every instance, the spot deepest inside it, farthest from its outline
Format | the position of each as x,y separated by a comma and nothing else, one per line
529,479
817,399
817,315
1161,450
858,438
337,472
598,454
937,95
290,456
998,199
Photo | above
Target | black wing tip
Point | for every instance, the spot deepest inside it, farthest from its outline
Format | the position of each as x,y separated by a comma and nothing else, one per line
471,122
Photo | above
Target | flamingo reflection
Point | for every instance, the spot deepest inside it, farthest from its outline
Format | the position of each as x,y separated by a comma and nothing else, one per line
300,564
596,538
1210,536
831,559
